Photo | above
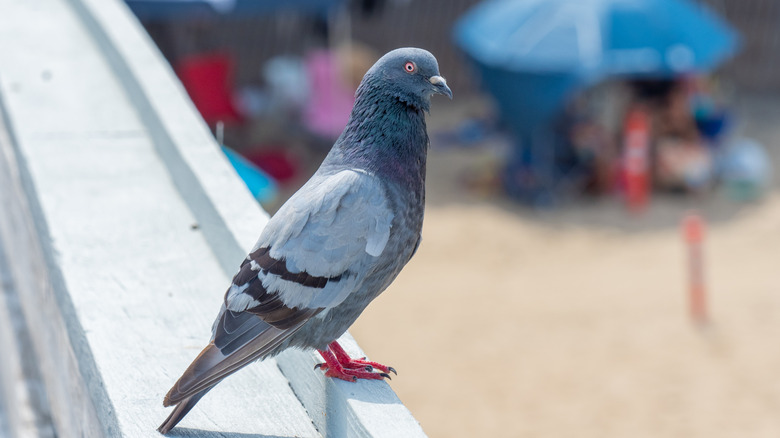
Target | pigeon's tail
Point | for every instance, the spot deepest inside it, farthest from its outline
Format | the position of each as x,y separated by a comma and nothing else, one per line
202,374
183,394
240,339
208,369
180,411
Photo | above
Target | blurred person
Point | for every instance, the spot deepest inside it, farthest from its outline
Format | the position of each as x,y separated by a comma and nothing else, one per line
680,158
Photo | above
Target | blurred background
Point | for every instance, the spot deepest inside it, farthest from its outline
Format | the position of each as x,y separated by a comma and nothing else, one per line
555,293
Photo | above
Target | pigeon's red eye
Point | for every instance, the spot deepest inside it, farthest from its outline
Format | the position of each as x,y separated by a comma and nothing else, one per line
410,67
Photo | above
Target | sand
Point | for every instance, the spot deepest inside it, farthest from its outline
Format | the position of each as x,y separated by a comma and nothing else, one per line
574,322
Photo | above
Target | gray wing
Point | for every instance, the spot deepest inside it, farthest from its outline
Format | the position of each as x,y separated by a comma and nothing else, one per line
317,249
314,252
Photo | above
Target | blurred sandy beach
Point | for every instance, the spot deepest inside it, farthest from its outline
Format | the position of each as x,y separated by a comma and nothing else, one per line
574,322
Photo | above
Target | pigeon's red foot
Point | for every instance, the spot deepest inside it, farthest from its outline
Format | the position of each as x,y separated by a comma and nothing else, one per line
338,364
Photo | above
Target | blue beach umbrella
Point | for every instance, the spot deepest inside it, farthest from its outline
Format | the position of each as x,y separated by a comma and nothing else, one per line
532,55
574,43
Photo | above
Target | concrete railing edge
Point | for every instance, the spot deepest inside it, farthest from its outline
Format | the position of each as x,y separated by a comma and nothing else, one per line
62,347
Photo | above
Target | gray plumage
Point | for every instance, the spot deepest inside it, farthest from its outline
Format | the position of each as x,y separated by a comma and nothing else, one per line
338,242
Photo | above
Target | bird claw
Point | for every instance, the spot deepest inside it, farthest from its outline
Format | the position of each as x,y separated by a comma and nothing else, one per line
338,364
352,375
370,366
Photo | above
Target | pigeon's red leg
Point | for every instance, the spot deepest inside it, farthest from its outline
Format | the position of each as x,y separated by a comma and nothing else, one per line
333,368
348,362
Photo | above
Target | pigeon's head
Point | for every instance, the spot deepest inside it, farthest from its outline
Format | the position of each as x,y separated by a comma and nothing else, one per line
409,74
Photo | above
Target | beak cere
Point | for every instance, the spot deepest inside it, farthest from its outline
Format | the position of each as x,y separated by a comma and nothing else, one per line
438,80
441,85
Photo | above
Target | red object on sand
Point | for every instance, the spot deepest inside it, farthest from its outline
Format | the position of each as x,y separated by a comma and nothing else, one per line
693,228
208,79
636,160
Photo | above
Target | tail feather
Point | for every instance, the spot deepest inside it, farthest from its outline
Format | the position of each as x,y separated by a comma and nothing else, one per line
211,365
214,364
180,411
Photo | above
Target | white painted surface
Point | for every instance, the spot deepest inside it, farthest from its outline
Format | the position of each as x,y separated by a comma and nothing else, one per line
24,409
117,166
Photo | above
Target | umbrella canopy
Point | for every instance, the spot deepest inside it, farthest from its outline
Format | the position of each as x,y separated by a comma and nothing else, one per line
532,55
596,38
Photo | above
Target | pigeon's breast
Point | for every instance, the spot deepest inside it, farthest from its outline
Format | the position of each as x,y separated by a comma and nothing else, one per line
406,228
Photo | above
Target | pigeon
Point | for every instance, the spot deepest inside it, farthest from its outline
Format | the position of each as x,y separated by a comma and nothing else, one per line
336,244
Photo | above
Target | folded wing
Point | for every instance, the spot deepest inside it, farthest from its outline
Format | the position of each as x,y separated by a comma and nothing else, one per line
311,256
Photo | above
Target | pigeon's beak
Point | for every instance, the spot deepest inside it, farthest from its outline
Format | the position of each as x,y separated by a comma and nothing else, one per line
440,85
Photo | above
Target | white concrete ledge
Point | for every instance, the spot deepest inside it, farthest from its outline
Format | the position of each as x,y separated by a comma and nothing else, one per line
105,168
